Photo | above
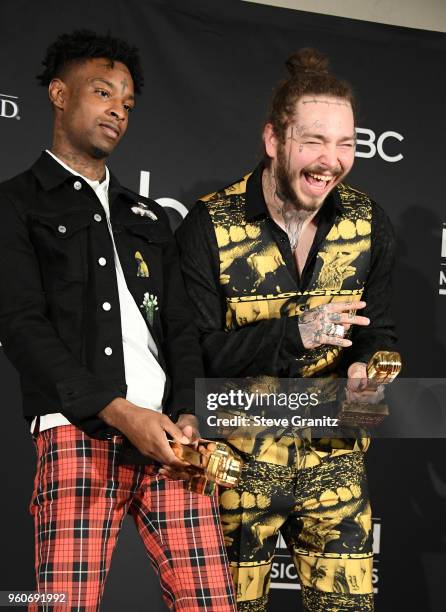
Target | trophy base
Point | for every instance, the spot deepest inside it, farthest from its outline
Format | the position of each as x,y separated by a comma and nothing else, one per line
210,465
201,485
353,414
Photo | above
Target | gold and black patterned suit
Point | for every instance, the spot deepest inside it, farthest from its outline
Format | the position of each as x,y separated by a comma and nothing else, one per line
241,276
256,282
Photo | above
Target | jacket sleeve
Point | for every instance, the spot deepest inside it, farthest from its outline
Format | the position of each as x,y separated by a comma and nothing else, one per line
181,345
27,335
268,346
380,334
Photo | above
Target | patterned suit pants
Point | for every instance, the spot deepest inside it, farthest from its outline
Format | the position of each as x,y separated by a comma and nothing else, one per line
318,501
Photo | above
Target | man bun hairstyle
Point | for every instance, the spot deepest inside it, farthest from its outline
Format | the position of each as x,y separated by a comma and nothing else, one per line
307,61
309,74
82,45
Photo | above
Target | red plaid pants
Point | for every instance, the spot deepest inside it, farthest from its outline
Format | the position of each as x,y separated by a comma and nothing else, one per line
81,496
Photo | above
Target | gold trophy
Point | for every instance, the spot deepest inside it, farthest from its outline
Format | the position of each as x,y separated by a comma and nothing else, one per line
382,369
211,464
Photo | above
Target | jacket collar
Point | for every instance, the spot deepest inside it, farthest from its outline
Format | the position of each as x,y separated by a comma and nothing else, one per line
51,174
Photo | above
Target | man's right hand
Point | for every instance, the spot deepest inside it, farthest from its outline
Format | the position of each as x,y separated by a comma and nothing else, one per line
146,430
316,325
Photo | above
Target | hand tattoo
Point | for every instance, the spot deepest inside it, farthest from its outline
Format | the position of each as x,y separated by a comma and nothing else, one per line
316,327
308,317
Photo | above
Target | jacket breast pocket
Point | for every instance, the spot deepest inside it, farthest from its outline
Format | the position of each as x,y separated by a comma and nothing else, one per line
61,243
142,251
146,244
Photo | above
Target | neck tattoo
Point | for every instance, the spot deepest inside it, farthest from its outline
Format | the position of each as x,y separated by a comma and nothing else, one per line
284,211
91,169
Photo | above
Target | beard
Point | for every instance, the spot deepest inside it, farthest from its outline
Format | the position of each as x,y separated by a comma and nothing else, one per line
98,152
286,178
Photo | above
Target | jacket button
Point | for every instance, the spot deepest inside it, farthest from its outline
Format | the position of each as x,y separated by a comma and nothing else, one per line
77,185
108,350
102,261
62,229
106,306
97,217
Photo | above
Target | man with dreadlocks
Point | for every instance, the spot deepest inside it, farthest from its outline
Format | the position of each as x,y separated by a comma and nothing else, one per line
93,314
277,266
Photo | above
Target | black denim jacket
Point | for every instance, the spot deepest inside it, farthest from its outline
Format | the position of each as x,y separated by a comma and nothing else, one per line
53,282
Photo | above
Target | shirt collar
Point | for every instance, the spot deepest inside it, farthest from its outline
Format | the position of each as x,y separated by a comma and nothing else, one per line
256,205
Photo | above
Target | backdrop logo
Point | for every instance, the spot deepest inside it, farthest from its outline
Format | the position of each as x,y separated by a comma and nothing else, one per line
9,107
144,187
283,572
369,144
442,283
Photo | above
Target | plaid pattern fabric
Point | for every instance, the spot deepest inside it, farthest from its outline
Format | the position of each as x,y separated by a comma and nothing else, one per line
82,493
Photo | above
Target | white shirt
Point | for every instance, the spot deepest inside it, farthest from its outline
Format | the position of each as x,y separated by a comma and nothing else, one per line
144,376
